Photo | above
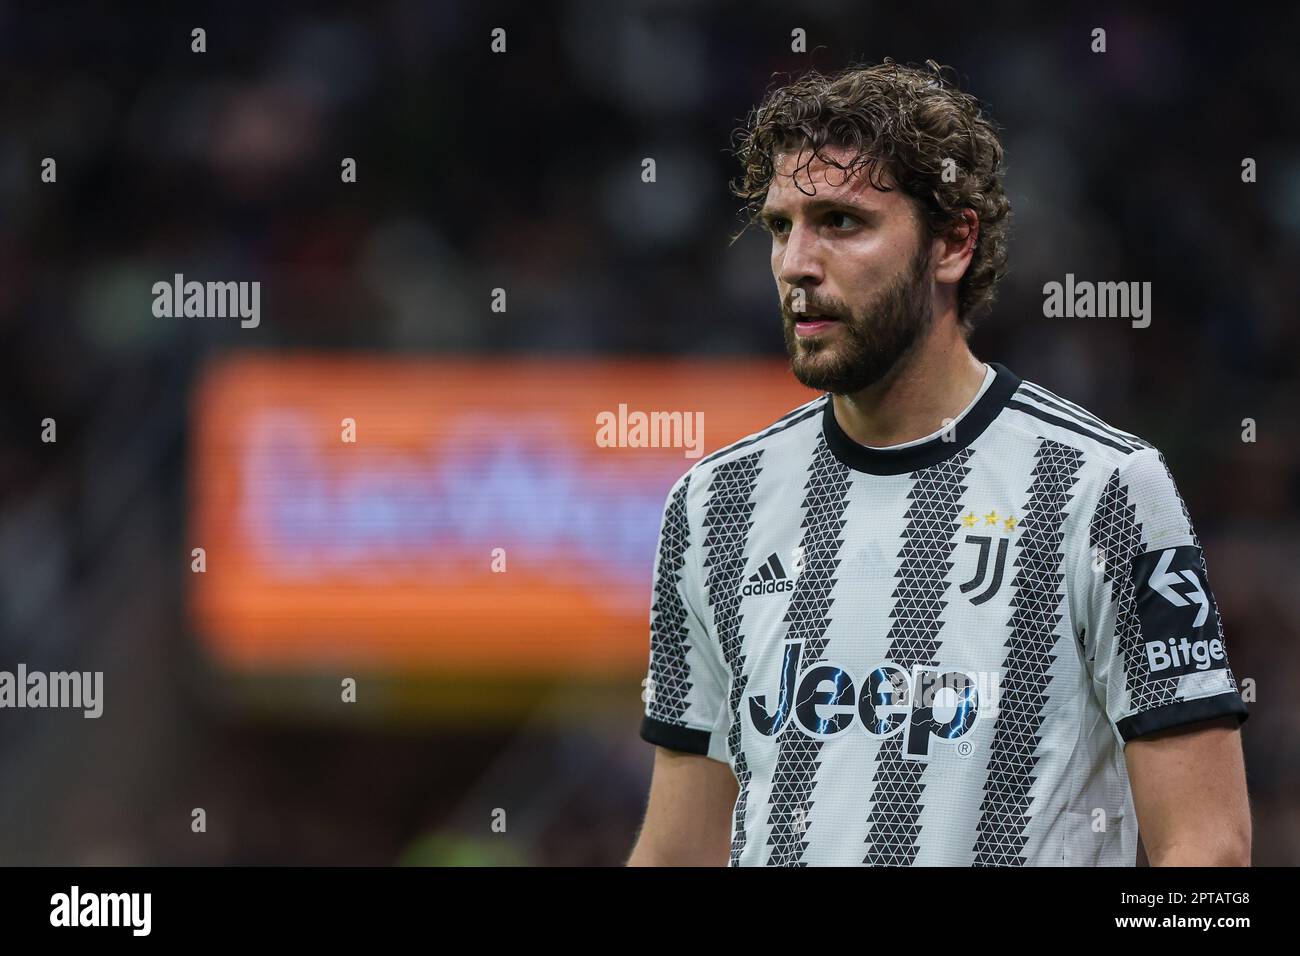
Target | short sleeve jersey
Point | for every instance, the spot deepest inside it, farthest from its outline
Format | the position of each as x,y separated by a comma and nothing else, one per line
934,653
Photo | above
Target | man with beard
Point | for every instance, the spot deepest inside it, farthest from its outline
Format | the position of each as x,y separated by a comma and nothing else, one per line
938,615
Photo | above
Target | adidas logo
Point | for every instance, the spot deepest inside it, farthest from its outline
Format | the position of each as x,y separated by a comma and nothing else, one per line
769,578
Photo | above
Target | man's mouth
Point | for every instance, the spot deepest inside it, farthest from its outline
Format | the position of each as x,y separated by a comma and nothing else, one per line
812,323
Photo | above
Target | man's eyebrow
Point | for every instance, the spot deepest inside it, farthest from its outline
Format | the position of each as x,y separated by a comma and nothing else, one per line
768,213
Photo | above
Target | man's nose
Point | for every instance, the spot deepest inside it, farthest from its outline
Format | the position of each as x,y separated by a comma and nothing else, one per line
801,258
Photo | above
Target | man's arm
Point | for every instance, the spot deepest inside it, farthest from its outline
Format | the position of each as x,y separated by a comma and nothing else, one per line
688,819
693,789
1189,790
1154,643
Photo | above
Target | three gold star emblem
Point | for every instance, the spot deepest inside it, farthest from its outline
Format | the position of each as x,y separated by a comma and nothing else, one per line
970,520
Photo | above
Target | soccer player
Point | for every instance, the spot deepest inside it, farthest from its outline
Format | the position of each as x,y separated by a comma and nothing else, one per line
939,615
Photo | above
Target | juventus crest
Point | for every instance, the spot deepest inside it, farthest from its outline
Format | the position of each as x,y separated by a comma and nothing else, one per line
990,571
986,581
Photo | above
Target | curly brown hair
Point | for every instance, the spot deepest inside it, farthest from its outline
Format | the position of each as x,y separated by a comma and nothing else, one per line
902,120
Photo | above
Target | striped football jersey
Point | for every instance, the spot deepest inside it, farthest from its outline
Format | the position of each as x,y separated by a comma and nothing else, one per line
932,653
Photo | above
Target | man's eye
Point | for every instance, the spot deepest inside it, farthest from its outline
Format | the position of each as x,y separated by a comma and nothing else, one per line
776,226
852,220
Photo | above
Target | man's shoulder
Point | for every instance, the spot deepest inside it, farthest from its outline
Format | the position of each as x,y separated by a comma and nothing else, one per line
793,426
1050,415
1125,476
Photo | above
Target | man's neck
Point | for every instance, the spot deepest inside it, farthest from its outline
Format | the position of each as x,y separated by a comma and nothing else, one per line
935,383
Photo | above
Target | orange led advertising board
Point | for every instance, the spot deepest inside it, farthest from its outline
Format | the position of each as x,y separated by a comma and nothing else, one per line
454,516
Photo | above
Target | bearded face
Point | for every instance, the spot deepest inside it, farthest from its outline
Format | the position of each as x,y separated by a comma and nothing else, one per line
851,256
841,347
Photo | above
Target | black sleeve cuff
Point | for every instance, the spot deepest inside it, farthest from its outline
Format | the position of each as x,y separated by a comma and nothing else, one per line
675,736
1183,712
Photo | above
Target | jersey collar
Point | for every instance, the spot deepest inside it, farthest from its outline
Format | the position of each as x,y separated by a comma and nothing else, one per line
898,461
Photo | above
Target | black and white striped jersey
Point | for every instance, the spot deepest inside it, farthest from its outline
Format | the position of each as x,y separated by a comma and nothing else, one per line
932,653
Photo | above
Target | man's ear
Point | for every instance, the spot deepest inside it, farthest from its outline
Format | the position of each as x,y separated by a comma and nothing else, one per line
956,248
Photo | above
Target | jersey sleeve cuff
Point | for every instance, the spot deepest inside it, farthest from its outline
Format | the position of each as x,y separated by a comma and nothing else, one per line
675,736
1182,712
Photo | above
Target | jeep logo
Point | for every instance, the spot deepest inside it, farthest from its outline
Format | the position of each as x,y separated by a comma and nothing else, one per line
823,700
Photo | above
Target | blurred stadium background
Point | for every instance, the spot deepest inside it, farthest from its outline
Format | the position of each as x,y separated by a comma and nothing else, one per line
521,171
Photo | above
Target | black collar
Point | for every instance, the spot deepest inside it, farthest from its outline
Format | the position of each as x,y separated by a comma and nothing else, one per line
898,461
